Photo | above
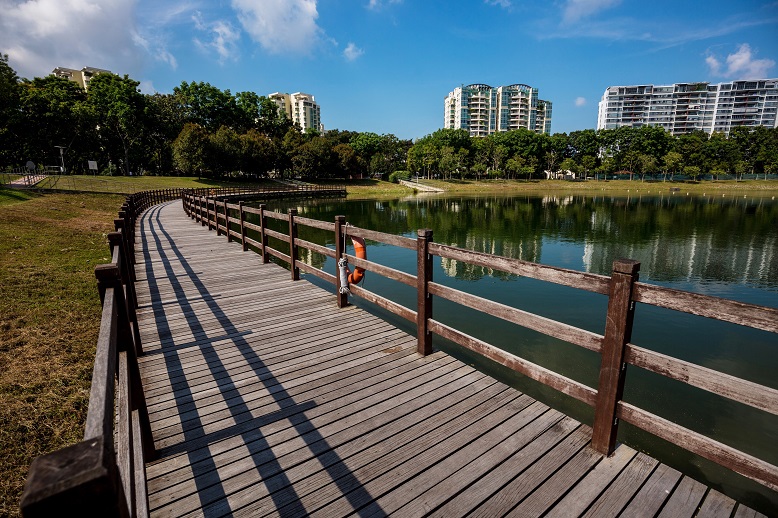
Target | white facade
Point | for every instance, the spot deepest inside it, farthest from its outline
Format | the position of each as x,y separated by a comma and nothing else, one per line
301,108
483,110
685,107
82,77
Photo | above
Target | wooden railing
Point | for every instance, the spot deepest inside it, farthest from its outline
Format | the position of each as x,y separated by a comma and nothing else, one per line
621,287
104,475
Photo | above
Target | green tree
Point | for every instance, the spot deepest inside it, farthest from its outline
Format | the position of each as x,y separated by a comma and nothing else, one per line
648,165
315,159
348,163
9,113
224,150
692,171
119,109
584,143
588,163
52,112
189,149
515,165
258,153
206,105
163,122
671,162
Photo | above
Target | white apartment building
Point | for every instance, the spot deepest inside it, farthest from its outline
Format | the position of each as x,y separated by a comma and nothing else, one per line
483,110
685,107
301,108
82,77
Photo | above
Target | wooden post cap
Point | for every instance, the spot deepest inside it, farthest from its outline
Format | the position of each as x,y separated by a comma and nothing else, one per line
628,266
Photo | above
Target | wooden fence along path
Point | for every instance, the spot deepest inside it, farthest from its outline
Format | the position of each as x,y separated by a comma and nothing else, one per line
265,399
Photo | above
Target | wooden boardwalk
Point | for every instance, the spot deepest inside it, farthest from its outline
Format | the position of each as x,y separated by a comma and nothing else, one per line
267,400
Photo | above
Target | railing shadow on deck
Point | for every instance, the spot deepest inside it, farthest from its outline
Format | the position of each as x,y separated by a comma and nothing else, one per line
210,492
104,475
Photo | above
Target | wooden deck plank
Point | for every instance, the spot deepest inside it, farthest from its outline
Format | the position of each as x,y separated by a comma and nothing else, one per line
685,500
316,489
652,495
235,473
491,483
716,505
548,478
456,472
263,402
621,491
351,426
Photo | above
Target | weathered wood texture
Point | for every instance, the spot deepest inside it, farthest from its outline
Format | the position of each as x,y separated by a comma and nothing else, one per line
266,399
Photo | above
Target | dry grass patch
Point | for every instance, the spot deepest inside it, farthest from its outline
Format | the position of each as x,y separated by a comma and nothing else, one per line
49,319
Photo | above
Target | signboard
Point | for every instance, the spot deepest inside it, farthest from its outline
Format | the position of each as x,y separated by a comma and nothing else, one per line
92,165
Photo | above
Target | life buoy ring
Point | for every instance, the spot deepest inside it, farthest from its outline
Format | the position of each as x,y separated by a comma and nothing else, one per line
360,251
346,275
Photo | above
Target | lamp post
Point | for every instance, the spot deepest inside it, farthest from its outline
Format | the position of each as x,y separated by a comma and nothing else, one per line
62,157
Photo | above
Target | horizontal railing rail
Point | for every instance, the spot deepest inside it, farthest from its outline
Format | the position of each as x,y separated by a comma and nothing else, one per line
614,347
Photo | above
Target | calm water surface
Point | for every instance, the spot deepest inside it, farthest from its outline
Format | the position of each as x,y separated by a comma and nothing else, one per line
725,247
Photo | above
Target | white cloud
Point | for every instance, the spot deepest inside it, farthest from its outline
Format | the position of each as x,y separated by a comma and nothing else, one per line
39,35
352,52
502,3
156,49
281,26
223,37
713,64
580,101
742,64
575,10
378,4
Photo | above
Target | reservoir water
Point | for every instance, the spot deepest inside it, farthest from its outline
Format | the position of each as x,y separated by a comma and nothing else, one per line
721,246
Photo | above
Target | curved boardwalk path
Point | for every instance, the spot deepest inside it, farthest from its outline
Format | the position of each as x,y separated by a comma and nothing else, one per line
265,401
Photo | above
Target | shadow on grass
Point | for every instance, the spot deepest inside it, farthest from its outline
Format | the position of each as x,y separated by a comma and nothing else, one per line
14,195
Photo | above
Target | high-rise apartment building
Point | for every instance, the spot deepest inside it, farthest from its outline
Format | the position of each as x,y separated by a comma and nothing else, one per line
685,107
483,110
82,77
300,108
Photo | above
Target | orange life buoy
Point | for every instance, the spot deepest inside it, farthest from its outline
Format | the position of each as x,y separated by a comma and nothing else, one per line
360,251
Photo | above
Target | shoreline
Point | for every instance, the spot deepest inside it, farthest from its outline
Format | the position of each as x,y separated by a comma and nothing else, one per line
718,188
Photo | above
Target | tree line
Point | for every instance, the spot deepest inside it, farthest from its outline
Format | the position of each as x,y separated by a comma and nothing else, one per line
202,130
645,151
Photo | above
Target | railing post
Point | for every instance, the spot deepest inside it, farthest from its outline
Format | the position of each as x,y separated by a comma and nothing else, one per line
242,226
424,299
82,477
227,221
613,370
340,221
216,215
293,245
262,235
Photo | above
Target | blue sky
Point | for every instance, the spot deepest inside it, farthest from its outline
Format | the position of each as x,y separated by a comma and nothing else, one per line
386,65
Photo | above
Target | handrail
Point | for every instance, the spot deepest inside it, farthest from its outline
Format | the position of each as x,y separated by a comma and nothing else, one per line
104,475
621,287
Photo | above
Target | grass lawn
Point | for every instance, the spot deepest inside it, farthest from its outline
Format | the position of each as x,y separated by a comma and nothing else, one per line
49,319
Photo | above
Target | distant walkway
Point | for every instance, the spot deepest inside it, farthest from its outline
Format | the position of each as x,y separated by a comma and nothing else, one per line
420,186
267,400
28,180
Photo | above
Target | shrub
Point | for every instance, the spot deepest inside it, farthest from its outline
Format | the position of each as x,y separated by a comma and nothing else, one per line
396,176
